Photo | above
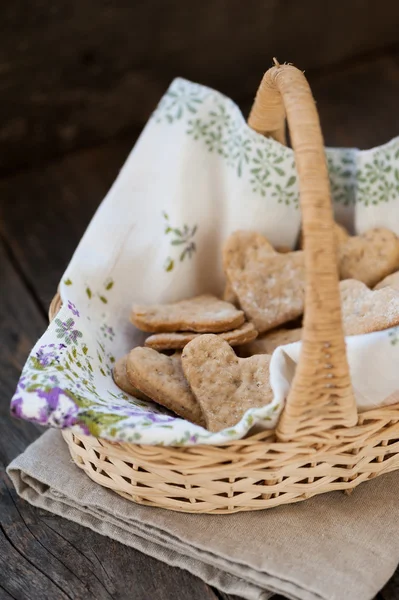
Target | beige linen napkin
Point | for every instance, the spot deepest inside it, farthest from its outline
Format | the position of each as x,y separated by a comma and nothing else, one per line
330,547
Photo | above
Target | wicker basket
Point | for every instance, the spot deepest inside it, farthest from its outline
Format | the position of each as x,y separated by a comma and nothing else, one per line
321,443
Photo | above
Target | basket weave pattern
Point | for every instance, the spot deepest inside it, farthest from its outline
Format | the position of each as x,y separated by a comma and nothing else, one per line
321,444
250,474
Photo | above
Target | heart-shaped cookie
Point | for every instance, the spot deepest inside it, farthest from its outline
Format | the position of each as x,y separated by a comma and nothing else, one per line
364,310
242,247
283,249
122,381
341,234
369,257
267,343
204,313
177,341
225,386
161,378
270,286
391,281
229,295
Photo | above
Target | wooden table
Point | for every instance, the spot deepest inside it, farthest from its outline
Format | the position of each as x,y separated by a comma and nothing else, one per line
43,213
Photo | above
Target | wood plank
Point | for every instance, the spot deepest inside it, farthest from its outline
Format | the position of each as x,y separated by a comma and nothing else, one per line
100,68
17,435
23,575
21,323
4,595
44,212
223,596
358,105
391,590
51,557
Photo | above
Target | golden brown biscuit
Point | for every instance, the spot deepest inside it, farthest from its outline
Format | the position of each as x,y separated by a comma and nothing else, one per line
122,381
229,295
267,343
204,313
391,281
225,386
341,234
369,257
177,341
270,286
161,378
364,310
242,246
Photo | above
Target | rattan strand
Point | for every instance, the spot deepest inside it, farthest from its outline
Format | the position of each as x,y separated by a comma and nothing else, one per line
321,395
251,474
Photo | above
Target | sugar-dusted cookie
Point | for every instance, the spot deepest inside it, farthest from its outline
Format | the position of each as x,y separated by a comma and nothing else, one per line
243,246
270,286
391,281
364,310
369,257
225,386
162,379
341,234
229,295
204,313
176,341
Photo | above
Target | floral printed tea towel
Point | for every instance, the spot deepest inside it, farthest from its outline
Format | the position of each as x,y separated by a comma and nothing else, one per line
197,174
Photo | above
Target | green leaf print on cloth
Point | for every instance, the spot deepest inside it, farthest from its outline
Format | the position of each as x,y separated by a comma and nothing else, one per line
214,120
183,238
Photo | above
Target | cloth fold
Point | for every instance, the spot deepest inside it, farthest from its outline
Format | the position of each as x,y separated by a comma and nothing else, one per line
329,547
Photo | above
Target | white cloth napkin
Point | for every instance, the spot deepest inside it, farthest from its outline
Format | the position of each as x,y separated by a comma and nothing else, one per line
197,174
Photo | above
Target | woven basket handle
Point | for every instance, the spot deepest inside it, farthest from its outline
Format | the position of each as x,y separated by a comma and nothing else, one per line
321,395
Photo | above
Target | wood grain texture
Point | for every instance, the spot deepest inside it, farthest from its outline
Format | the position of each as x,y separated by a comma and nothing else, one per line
76,74
21,323
44,211
49,557
358,105
391,590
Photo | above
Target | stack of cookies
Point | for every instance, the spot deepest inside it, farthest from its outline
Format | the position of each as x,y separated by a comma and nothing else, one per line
174,325
207,383
188,364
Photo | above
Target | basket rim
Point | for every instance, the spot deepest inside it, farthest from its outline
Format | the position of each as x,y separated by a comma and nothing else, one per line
253,475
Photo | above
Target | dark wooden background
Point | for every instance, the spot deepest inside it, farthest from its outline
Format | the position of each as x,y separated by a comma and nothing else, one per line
76,73
77,82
